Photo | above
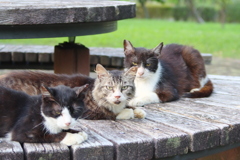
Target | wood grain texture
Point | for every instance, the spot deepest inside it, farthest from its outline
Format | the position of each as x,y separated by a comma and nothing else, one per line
203,134
96,147
227,120
10,150
25,12
167,140
46,151
129,143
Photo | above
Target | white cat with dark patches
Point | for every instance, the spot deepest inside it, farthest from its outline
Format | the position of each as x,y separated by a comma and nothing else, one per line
166,73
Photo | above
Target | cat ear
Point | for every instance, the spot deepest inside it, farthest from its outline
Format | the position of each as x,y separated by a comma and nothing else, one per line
128,48
157,50
78,90
46,92
101,71
131,72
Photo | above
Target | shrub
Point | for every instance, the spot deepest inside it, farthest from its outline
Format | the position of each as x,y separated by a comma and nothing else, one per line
233,12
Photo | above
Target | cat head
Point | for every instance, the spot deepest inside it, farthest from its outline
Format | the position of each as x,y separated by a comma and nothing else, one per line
146,60
61,106
112,89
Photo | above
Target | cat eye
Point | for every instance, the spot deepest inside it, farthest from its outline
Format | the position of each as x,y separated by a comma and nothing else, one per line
148,64
134,63
58,112
124,87
109,87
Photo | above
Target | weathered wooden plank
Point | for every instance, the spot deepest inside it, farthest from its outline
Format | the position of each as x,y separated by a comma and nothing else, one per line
18,57
46,151
117,62
229,78
207,57
95,147
167,140
94,60
31,57
10,150
224,100
228,122
128,143
44,58
204,135
105,61
16,12
5,57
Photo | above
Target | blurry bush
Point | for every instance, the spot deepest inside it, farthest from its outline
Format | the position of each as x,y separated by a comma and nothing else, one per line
233,12
208,13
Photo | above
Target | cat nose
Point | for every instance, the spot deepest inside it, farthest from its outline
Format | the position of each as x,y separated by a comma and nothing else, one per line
140,73
117,97
67,124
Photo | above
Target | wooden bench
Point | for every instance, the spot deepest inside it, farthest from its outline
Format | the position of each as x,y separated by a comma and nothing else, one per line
184,129
41,57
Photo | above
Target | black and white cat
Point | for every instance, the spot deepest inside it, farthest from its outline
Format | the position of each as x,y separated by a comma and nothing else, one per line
167,73
43,118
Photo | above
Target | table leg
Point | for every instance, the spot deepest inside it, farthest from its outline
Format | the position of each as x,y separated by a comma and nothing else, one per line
70,58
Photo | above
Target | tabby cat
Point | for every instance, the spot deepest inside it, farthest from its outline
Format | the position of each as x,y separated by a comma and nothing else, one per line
43,118
105,98
167,73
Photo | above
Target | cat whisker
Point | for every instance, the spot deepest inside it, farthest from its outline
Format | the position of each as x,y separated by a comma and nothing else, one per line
38,125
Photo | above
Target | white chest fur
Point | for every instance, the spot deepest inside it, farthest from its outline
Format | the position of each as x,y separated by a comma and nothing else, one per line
145,87
148,82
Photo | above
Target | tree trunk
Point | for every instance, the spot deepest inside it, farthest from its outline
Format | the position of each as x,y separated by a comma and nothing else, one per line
223,4
145,10
191,5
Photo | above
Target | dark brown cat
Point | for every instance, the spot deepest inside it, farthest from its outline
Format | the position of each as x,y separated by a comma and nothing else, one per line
44,118
167,73
105,98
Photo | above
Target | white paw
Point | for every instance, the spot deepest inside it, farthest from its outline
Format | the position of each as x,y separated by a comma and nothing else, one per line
194,90
125,114
74,138
139,113
141,101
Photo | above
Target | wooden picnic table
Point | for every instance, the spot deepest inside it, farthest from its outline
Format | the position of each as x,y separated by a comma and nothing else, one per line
23,19
183,129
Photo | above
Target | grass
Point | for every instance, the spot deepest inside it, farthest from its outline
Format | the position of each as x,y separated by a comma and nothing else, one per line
208,37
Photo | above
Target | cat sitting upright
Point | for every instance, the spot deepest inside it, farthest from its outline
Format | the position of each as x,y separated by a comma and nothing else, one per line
105,98
167,73
43,118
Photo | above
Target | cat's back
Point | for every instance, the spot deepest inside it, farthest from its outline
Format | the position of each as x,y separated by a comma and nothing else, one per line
31,81
14,105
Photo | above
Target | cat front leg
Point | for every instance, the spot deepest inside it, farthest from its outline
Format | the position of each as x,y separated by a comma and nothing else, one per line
74,138
145,98
126,114
139,113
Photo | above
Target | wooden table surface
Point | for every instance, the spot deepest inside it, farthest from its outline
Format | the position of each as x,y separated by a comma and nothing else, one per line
60,18
182,128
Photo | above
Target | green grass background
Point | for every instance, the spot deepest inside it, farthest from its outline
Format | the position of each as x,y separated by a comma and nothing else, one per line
208,37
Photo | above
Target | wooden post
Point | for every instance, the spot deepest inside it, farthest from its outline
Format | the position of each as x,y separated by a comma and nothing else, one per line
70,58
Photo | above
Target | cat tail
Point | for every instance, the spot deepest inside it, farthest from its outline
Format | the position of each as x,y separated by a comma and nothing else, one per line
205,89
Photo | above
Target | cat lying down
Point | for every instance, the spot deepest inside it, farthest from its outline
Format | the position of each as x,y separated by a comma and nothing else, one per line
105,98
43,118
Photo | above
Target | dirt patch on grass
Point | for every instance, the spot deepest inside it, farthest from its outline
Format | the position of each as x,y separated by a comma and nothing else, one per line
224,66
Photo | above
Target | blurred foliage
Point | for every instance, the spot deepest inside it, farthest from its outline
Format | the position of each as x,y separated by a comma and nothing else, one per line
233,12
176,9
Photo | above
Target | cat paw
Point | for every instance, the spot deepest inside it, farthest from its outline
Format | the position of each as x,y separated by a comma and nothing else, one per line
140,101
74,138
125,114
139,113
